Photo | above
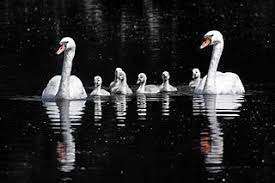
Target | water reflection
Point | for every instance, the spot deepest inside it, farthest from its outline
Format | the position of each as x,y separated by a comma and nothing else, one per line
141,106
153,21
94,18
211,140
165,101
65,116
120,104
97,110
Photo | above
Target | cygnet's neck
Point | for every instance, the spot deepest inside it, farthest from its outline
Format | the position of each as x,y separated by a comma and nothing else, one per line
97,89
64,92
142,86
166,83
196,80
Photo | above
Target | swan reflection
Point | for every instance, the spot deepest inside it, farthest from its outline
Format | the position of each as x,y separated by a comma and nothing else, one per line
141,106
97,110
212,142
165,101
120,104
64,116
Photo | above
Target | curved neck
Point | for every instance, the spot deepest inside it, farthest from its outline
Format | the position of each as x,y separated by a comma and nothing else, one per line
123,86
141,87
197,81
166,82
97,89
210,84
63,92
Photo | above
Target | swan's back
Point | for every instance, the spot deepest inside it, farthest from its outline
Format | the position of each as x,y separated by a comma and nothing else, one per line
168,88
76,88
52,88
101,92
151,89
229,83
226,83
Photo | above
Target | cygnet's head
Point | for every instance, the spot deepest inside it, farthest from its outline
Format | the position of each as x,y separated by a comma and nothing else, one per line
211,38
141,78
165,76
196,73
97,81
118,69
66,44
122,76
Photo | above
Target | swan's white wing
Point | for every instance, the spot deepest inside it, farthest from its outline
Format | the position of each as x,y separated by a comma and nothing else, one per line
77,90
229,83
226,83
168,88
151,89
52,87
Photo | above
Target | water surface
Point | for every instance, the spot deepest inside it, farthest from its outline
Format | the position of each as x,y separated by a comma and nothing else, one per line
139,138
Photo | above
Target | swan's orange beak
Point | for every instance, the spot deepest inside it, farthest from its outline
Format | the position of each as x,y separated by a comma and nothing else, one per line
205,43
60,49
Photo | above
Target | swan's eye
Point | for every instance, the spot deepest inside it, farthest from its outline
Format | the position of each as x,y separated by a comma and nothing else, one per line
65,43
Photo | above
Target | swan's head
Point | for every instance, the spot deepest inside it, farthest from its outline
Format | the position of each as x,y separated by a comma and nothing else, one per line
211,38
67,44
165,76
141,78
97,81
196,73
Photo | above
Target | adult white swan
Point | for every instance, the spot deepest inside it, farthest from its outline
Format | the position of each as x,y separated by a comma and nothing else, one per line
217,82
65,86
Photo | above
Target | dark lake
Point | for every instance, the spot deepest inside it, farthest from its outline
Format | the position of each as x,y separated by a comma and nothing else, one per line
168,137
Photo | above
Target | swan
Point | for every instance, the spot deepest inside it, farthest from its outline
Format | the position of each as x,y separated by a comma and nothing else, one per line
143,88
98,90
165,86
122,86
115,81
217,82
65,86
196,78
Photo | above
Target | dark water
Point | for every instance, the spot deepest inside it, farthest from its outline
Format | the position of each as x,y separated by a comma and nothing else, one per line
172,137
154,138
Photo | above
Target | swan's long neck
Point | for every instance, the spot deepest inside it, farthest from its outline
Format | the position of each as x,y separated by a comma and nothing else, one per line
210,85
64,92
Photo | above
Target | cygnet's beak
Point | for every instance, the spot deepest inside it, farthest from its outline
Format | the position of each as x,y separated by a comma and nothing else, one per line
120,77
60,49
205,43
96,83
138,81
